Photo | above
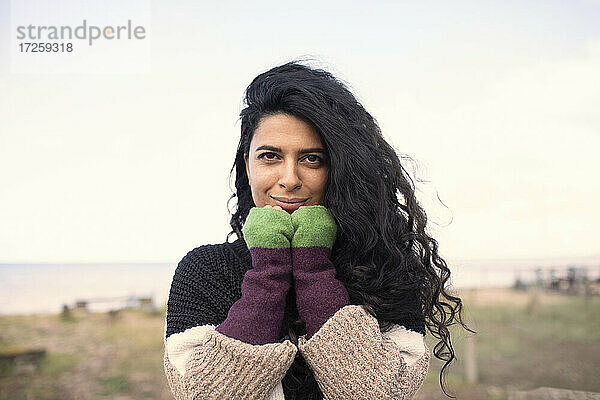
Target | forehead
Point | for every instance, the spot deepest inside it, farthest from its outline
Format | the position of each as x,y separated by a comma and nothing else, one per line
285,131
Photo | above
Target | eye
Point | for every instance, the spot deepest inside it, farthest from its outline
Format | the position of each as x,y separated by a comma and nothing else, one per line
314,159
264,155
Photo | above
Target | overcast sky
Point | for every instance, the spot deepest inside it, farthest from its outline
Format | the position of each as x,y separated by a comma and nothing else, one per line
497,103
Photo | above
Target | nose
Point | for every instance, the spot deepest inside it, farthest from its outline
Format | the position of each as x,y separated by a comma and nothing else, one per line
289,178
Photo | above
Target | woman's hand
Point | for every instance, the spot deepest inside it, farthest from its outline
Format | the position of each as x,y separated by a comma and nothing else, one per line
275,207
257,316
268,227
313,226
318,293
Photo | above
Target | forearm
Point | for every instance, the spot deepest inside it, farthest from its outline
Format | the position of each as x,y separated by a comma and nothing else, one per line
209,365
257,316
352,360
319,293
201,363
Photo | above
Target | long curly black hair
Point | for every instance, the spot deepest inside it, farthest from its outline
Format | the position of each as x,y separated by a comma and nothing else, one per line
382,254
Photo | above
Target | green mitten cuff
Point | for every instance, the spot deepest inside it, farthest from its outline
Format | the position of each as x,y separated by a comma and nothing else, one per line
268,228
314,226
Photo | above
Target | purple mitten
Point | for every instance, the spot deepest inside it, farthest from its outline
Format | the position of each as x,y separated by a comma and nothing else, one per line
257,316
319,295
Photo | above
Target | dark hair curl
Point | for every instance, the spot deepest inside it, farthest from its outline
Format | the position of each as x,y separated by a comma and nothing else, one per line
382,254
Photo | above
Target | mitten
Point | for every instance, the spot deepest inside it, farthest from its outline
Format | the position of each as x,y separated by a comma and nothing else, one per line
318,293
257,316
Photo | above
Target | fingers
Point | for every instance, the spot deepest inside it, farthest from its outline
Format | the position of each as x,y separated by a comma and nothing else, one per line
275,207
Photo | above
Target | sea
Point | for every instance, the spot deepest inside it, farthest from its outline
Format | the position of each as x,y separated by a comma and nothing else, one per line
46,288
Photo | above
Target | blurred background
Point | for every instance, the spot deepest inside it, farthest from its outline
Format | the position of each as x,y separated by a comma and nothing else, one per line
115,159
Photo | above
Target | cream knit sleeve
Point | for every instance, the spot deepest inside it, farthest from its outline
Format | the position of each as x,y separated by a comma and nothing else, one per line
201,363
352,359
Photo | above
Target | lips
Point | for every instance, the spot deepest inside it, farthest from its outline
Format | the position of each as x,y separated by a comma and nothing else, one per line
289,204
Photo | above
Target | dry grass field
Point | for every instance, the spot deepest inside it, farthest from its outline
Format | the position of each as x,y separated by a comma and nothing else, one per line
525,340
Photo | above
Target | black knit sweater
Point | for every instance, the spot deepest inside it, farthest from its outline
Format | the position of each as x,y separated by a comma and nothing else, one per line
206,283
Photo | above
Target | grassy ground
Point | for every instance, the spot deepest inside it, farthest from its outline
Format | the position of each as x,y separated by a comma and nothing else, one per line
89,356
524,341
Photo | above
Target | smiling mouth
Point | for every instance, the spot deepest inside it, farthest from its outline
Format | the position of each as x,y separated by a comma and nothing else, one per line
289,201
288,206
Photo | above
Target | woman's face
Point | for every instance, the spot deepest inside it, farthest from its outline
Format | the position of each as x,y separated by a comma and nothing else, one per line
286,164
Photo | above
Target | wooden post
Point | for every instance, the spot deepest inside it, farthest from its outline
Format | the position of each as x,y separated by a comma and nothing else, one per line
470,360
147,304
471,372
533,303
113,315
66,313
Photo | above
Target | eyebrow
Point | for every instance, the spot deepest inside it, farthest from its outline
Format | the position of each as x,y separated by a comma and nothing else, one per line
303,151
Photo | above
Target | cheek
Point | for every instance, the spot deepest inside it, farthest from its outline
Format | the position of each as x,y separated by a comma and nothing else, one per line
319,182
263,179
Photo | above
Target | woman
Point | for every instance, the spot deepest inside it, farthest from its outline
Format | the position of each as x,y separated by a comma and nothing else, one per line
328,289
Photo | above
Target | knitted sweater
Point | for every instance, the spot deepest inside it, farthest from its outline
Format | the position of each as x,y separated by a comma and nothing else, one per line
226,305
